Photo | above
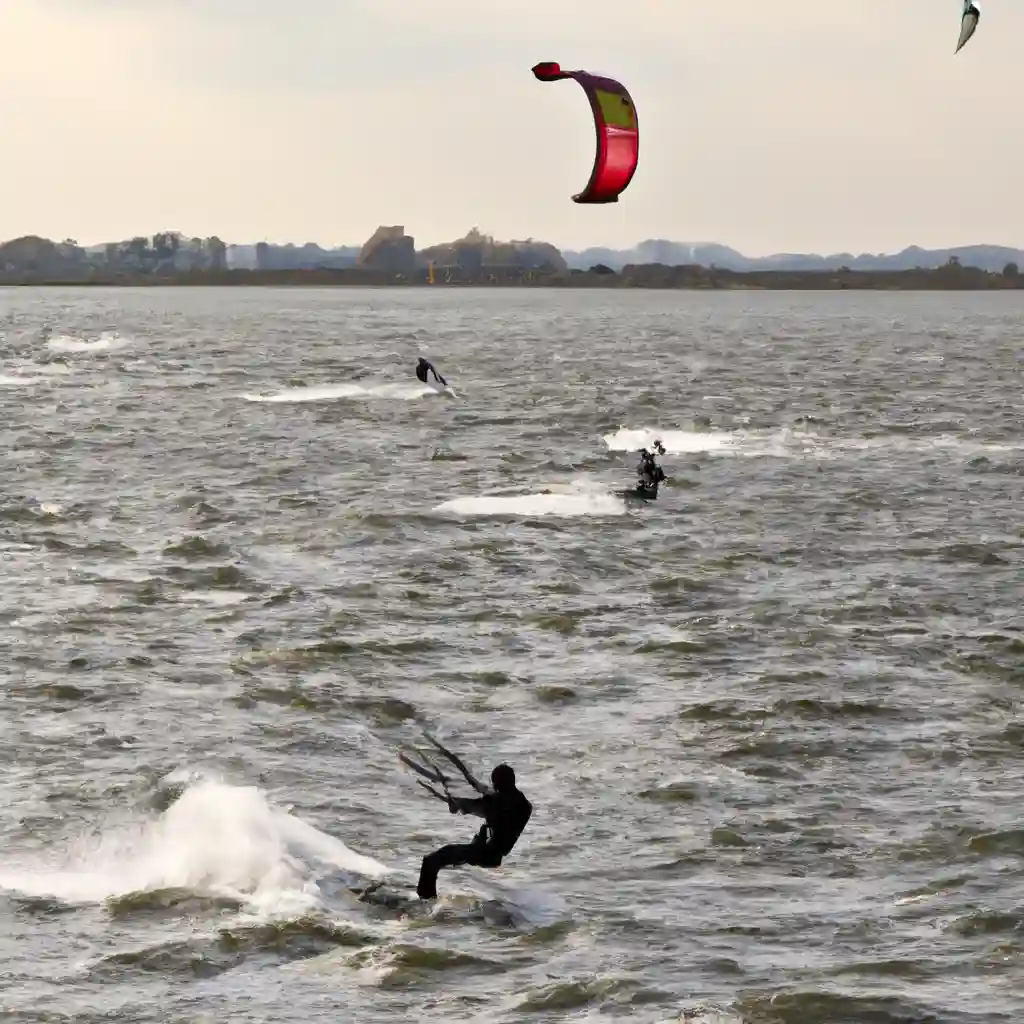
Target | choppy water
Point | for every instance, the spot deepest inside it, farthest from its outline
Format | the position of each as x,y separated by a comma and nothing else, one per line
771,724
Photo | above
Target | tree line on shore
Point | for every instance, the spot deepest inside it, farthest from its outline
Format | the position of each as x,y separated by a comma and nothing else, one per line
171,259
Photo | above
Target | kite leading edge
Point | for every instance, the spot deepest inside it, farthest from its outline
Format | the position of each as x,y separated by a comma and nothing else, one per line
618,134
968,24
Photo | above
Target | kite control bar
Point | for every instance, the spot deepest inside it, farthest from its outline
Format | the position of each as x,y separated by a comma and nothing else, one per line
434,774
431,773
466,773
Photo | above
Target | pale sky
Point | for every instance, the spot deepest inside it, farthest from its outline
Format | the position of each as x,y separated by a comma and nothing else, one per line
768,125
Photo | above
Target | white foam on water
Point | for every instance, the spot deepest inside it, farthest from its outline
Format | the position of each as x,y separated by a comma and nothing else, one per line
25,374
675,442
581,497
442,389
900,442
334,392
692,1015
704,1015
527,905
787,442
108,341
215,839
13,381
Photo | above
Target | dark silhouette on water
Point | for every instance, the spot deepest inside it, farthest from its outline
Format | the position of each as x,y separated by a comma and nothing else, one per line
649,474
423,367
505,811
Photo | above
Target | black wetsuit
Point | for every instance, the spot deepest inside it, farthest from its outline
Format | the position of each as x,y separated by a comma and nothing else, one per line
506,814
421,372
650,473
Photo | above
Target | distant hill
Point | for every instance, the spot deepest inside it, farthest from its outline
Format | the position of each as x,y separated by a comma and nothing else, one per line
992,258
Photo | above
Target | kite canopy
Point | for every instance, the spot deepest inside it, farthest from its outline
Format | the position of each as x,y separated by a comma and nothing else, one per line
968,25
618,134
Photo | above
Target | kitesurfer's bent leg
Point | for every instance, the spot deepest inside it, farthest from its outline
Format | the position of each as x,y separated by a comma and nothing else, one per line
454,856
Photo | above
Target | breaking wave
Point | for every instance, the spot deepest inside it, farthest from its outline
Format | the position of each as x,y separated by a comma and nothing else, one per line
215,840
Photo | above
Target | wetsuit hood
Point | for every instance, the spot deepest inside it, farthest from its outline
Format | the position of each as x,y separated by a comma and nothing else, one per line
503,778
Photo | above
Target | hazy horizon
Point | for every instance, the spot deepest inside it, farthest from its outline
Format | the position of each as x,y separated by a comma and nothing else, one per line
847,127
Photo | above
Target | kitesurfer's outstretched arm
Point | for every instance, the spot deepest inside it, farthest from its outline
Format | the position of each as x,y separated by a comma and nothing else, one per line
438,377
469,805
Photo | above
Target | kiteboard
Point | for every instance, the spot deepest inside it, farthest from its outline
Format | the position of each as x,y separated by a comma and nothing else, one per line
445,390
639,493
392,896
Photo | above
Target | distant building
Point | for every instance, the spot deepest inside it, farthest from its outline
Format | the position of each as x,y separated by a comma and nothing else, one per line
477,252
389,249
242,257
309,256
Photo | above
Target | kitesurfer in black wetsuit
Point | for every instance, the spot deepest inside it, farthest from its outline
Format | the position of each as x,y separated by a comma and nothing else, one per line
505,811
649,472
423,367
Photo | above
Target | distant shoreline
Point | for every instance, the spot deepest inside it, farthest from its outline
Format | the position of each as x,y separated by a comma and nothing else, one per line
951,277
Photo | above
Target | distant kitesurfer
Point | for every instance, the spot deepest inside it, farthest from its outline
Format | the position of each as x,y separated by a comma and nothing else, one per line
649,472
504,809
423,367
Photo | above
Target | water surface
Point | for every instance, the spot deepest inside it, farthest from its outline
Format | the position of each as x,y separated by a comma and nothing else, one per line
770,723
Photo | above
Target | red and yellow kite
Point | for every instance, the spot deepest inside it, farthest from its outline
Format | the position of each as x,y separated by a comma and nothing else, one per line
618,133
